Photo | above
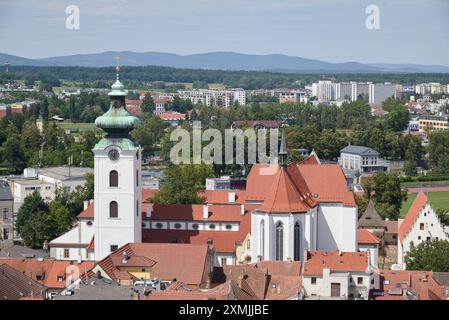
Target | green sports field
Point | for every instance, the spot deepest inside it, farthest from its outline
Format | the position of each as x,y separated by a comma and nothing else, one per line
438,199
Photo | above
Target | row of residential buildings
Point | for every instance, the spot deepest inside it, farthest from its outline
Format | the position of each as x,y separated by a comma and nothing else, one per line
375,92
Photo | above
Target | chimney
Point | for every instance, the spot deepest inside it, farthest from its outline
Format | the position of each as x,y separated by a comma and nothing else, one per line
231,197
86,204
205,212
242,208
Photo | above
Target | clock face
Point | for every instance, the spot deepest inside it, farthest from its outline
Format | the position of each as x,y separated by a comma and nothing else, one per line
113,154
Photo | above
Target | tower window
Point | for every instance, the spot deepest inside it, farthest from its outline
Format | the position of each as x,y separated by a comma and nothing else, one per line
137,208
113,178
113,209
137,178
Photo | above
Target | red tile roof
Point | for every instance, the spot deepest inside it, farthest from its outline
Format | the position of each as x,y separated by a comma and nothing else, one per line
412,215
364,236
324,182
420,282
185,262
311,159
221,196
88,213
48,269
134,102
327,183
194,212
172,115
180,291
283,196
223,241
273,280
162,100
335,261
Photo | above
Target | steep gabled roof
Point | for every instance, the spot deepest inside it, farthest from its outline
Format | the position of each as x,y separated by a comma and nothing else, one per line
412,215
15,285
311,159
284,196
327,183
370,218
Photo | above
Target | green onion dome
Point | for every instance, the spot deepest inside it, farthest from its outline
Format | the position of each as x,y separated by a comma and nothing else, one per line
117,120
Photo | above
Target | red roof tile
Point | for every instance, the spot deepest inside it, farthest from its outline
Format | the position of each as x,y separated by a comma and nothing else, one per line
327,183
47,270
421,282
412,214
185,262
364,236
172,115
283,196
194,212
88,213
221,196
335,261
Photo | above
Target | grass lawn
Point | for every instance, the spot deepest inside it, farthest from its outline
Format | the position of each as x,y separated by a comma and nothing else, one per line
80,126
438,199
419,183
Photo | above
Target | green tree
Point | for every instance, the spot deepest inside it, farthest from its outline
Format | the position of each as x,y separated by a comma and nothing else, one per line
147,104
410,164
34,224
439,151
389,195
44,110
431,255
61,215
183,183
149,132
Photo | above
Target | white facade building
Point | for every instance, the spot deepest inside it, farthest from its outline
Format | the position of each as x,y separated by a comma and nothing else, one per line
420,224
338,275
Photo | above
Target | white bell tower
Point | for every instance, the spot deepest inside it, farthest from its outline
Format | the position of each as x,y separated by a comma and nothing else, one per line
117,166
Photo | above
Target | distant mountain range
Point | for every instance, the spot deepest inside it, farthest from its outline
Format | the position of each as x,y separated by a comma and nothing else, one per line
221,61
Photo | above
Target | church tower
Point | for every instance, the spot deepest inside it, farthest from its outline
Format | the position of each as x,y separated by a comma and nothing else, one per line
117,198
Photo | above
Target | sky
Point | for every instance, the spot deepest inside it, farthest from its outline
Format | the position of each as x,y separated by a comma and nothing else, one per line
410,31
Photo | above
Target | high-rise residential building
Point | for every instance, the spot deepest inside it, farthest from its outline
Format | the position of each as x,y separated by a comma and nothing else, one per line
326,90
379,92
348,90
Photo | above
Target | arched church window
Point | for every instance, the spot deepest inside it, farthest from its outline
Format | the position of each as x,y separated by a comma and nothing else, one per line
297,242
113,178
113,209
262,239
279,241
